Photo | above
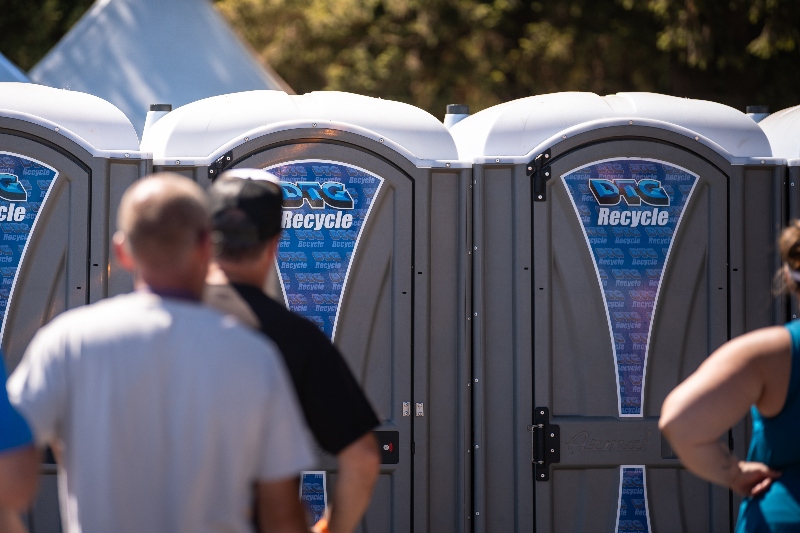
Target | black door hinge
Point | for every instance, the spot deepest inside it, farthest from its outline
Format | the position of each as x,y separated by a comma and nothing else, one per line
539,168
220,165
545,443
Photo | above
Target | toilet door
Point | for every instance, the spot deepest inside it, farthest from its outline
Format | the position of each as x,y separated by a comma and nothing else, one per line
345,263
44,236
630,296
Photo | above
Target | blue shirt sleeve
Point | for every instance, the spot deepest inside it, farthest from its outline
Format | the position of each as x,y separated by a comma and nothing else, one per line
14,431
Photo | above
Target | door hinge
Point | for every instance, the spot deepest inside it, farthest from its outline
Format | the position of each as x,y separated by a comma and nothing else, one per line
220,165
545,443
539,169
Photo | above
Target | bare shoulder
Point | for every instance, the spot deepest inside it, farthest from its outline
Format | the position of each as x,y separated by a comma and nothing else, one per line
770,358
758,345
776,336
748,362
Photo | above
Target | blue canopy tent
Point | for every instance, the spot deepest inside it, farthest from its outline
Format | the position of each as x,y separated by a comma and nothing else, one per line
10,72
134,53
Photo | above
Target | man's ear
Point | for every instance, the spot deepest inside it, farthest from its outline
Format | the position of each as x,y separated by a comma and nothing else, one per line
122,252
276,241
271,250
205,248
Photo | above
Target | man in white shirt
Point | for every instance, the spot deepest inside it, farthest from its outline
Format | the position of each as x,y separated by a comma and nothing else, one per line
166,413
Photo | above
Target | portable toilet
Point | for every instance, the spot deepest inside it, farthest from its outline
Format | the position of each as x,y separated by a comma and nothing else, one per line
783,131
782,128
375,252
617,240
65,159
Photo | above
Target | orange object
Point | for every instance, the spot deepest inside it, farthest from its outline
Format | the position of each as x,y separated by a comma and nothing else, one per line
321,526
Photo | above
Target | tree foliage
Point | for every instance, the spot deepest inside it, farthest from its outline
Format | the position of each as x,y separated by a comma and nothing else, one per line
482,52
30,28
434,52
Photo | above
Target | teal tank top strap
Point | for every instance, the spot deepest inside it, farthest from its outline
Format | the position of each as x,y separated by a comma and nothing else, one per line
794,379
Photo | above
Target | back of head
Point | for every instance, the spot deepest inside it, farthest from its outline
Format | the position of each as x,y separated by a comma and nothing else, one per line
163,217
789,247
245,213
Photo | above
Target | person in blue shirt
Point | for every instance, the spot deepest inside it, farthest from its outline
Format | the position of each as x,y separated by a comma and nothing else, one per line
19,462
758,372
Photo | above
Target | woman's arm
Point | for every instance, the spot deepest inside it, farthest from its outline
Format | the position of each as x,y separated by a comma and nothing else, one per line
19,476
750,370
10,522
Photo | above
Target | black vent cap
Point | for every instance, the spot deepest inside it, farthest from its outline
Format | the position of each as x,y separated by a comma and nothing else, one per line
457,109
160,107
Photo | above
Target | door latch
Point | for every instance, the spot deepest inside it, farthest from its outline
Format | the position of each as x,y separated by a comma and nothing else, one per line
545,443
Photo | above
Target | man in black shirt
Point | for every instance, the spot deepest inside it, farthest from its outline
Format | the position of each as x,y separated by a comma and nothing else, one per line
246,220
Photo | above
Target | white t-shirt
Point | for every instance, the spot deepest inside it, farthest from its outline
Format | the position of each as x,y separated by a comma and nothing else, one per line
167,412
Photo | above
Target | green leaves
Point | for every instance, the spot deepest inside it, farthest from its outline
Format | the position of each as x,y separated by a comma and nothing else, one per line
482,52
28,29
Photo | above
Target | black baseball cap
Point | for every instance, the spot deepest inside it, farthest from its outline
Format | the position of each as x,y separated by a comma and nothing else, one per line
245,207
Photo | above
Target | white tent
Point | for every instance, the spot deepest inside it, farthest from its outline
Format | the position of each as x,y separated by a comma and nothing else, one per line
10,72
134,53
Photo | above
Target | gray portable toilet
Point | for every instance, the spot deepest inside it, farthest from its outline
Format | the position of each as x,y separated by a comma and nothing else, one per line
65,159
375,252
783,131
618,240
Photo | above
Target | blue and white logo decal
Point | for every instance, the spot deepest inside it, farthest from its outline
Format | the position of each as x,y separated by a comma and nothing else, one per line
325,207
632,508
314,493
630,210
24,185
11,189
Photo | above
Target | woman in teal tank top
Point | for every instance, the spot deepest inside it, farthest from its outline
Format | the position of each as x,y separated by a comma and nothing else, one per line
760,372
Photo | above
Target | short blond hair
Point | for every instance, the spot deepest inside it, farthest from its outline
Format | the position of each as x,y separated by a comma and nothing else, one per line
162,218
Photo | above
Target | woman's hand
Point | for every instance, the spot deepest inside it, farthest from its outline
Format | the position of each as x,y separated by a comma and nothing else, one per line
752,479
